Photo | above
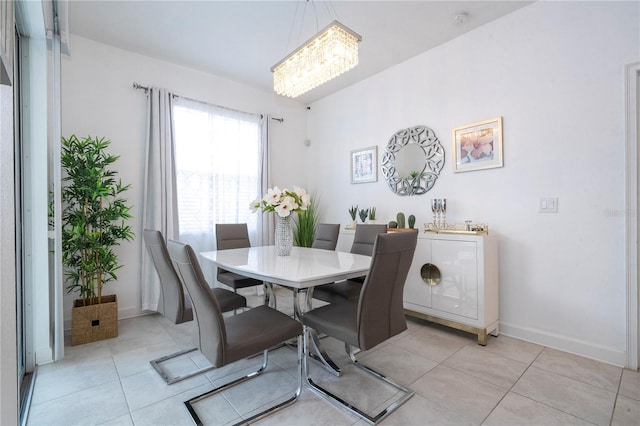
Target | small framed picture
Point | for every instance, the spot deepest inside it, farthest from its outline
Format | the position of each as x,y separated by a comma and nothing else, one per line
364,165
478,146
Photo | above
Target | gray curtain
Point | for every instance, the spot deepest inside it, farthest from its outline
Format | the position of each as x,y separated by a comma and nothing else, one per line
266,226
160,203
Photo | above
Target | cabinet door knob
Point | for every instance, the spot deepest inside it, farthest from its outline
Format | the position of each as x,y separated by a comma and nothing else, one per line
430,274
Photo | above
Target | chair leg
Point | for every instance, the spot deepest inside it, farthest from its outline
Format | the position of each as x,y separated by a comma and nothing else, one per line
352,352
171,380
322,356
338,401
272,409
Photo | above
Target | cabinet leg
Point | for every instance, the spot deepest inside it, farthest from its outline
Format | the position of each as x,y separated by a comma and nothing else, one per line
482,338
496,332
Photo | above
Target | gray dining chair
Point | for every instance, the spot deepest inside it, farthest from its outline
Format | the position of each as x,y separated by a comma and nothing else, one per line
174,304
232,236
363,242
326,237
226,340
374,317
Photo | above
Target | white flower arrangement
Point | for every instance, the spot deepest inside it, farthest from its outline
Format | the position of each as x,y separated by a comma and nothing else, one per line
282,201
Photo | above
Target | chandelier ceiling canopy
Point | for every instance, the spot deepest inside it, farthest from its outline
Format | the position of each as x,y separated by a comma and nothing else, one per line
331,52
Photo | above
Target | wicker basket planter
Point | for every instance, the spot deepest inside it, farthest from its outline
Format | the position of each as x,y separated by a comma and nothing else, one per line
94,322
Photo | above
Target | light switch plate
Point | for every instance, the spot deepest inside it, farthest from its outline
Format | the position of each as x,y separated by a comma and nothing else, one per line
548,205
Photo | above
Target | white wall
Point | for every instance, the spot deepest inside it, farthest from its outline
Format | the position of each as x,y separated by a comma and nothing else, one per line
555,72
98,100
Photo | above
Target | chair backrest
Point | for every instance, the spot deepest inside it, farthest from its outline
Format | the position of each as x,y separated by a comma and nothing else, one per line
380,308
231,236
365,238
326,236
211,334
173,303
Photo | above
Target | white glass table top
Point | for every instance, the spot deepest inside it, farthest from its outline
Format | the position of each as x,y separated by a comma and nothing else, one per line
304,268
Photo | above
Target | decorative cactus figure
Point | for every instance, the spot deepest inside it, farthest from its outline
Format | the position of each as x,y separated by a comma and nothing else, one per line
393,224
412,221
400,220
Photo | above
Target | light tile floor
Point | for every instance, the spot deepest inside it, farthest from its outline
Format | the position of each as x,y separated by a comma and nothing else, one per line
457,382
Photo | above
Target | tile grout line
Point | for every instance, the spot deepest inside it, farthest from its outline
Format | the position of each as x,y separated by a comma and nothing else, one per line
124,393
615,400
560,375
438,364
511,388
579,380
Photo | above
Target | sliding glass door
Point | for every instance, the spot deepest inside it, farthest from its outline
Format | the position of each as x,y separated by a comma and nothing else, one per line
24,338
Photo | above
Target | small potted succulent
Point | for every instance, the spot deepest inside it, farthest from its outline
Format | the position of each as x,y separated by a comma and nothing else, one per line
363,215
353,211
372,215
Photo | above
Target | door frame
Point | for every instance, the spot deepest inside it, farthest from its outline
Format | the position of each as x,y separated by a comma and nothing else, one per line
632,86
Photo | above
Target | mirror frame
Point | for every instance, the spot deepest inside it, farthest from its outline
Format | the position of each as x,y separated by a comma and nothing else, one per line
426,139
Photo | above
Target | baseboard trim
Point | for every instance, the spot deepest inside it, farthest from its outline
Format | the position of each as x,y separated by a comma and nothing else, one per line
44,355
578,347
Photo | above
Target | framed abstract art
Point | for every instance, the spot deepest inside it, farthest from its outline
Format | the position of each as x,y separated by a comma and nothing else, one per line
364,165
478,146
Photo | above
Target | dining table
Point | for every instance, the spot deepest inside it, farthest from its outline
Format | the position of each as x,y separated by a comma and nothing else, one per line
301,271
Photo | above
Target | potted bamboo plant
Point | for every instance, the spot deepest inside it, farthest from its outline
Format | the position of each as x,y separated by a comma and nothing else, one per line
94,216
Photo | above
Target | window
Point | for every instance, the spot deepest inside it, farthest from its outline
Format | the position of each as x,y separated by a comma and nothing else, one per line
217,158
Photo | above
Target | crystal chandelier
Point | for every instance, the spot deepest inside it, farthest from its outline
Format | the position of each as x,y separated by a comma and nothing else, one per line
331,52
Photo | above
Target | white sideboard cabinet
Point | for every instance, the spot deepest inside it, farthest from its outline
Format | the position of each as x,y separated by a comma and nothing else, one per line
453,281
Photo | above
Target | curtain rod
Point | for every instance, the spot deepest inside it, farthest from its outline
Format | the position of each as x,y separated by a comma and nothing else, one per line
146,89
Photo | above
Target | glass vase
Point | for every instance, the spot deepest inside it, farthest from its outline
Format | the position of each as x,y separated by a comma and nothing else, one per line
284,235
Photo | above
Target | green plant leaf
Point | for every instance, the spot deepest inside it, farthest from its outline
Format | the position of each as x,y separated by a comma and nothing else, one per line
306,223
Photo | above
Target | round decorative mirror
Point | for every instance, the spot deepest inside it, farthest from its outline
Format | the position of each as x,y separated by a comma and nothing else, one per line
412,161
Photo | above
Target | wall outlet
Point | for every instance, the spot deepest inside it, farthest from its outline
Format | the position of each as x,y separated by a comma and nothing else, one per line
548,205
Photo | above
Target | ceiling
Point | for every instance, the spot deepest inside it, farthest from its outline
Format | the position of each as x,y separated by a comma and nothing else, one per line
242,40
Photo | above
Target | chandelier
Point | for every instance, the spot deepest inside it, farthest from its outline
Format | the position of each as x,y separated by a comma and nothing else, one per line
331,52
